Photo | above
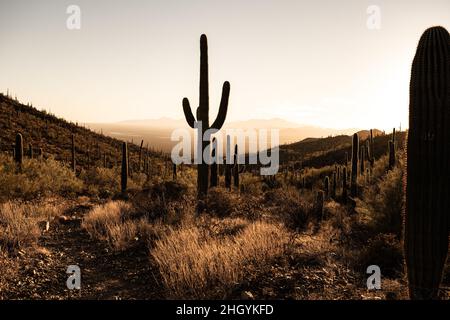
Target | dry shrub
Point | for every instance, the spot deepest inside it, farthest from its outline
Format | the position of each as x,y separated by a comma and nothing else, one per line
108,223
221,202
295,209
383,203
116,224
250,184
38,177
18,227
385,251
195,265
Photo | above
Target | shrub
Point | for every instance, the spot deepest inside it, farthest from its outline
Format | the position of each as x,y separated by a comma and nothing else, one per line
221,202
385,251
37,178
294,209
385,203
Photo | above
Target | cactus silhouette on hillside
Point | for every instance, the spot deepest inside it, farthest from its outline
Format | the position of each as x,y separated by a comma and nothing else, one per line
203,114
18,150
391,150
124,169
428,170
326,187
354,177
73,153
237,169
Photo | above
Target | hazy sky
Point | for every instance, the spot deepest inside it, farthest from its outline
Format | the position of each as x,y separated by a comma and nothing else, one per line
313,62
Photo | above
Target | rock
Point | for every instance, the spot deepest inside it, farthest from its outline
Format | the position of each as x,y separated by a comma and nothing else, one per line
44,225
247,295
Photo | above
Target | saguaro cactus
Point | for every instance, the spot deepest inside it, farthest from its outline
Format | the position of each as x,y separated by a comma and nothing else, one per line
344,185
73,153
228,165
392,151
370,157
124,171
326,187
333,188
319,204
354,179
174,171
237,169
18,149
362,159
203,115
214,164
30,150
140,156
428,170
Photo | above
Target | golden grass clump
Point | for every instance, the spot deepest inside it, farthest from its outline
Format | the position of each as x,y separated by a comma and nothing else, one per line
193,264
18,226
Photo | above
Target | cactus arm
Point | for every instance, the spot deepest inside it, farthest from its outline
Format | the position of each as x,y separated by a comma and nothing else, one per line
223,108
188,113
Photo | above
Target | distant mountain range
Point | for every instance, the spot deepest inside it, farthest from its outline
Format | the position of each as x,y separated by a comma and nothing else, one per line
157,131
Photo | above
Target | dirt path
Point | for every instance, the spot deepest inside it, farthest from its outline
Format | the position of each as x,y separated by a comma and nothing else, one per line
104,274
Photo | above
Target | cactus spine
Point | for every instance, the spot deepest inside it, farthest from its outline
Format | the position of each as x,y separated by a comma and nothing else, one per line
428,170
203,115
18,150
354,178
124,171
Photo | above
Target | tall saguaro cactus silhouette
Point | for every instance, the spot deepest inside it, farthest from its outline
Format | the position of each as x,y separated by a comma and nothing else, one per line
428,170
203,114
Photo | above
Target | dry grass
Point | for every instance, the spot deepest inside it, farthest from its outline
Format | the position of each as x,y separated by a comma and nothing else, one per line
113,222
18,226
193,264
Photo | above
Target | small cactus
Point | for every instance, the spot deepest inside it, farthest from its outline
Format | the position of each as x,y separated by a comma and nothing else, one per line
140,155
174,171
124,171
354,178
344,185
18,150
391,154
333,188
326,187
319,204
213,182
361,162
237,169
73,153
